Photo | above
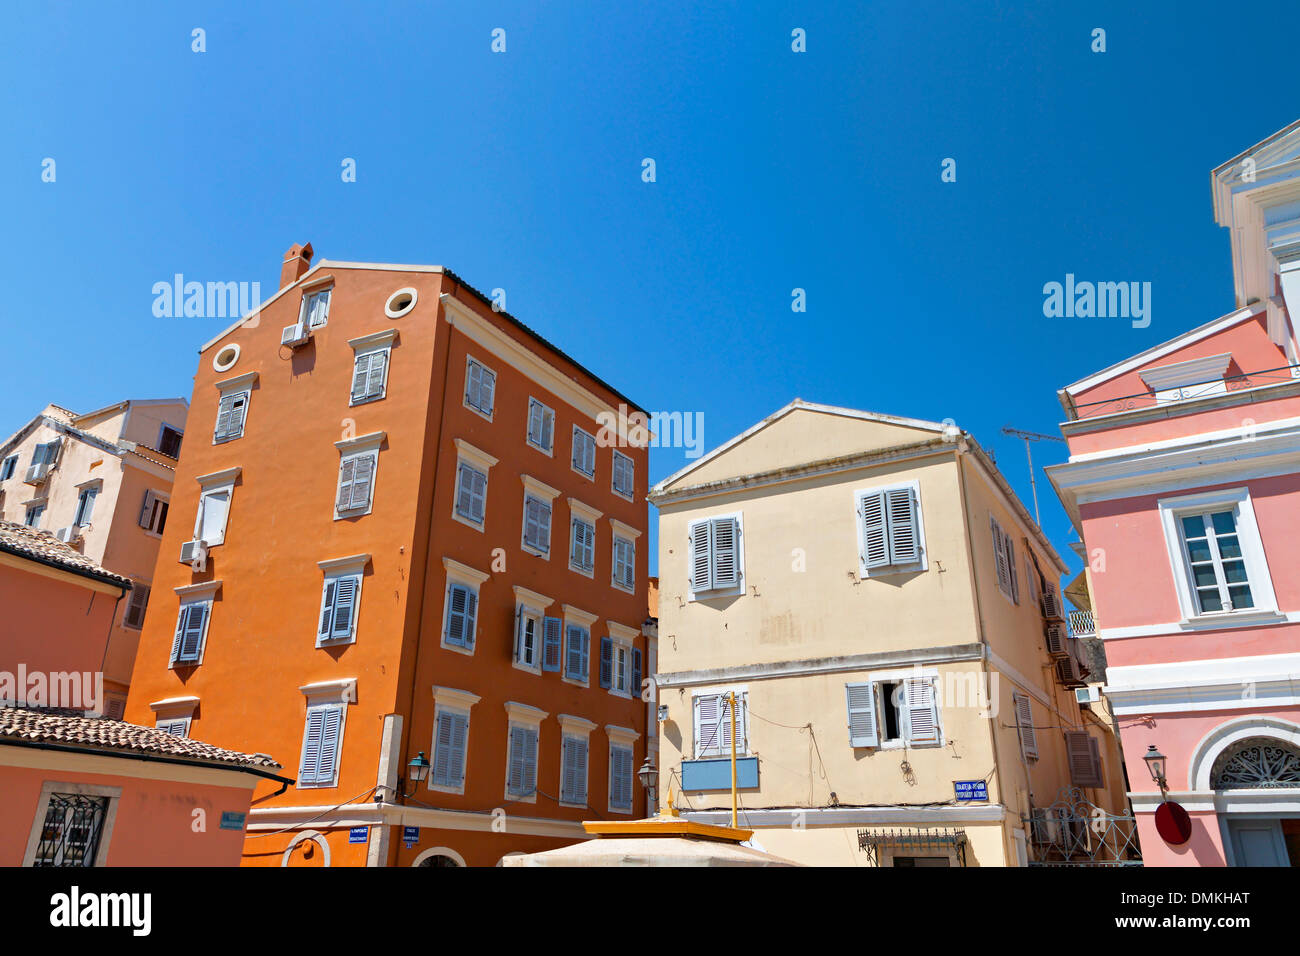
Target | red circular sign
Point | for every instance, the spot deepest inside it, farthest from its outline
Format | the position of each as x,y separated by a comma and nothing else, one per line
1173,824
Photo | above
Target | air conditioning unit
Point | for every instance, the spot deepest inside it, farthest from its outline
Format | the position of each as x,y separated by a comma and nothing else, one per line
295,335
1087,695
36,474
1056,635
1069,673
68,535
195,554
1053,609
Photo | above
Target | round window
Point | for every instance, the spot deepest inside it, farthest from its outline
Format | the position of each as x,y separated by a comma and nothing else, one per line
226,358
400,302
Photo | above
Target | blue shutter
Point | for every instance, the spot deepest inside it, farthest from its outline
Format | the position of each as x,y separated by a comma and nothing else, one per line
442,746
345,607
329,747
636,672
327,610
606,661
192,639
863,731
308,770
551,628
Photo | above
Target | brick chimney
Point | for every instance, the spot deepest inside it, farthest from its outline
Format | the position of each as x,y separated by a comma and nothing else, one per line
296,261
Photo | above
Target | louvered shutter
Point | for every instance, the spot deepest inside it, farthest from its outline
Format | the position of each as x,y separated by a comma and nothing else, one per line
862,715
875,537
345,599
1013,575
361,376
347,469
194,617
726,552
327,609
456,601
362,480
515,774
701,542
309,769
442,751
548,427
921,711
1025,724
551,628
904,531
135,607
146,510
708,739
459,746
224,409
530,761
1000,557
567,759
636,672
329,747
620,778
180,632
724,718
1085,759
378,374
606,662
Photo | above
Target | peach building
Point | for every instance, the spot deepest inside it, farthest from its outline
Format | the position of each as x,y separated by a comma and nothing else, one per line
1184,484
100,483
408,543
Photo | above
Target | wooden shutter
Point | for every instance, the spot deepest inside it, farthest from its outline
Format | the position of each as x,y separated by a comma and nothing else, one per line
362,480
921,711
1025,725
329,748
347,469
442,747
189,633
701,548
345,599
548,427
636,672
724,723
1013,573
875,536
459,747
309,769
1000,558
135,608
606,662
458,597
180,632
726,552
146,511
326,609
1085,759
708,737
574,775
551,628
620,778
361,375
904,530
225,406
862,715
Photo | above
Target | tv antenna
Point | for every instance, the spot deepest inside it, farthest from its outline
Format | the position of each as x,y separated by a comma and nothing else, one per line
1028,437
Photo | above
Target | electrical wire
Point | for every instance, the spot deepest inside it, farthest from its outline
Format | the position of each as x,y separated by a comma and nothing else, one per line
299,826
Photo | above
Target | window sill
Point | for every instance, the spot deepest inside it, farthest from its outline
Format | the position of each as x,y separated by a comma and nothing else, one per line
317,786
467,522
575,681
572,805
628,497
444,788
467,651
227,439
624,812
357,512
891,569
737,591
548,452
487,416
579,471
529,549
1254,617
585,572
322,642
531,798
619,587
366,401
526,668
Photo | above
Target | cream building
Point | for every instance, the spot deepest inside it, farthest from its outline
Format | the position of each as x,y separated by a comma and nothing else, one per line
888,616
101,483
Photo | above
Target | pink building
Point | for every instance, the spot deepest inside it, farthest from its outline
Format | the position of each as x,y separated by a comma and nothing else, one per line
1184,484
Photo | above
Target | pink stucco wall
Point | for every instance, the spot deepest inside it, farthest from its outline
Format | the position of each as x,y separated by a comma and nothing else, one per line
1177,426
155,820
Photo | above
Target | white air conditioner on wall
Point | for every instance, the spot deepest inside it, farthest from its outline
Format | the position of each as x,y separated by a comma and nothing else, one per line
295,335
37,474
195,554
68,535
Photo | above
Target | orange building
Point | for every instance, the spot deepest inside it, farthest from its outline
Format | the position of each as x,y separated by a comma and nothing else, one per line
403,523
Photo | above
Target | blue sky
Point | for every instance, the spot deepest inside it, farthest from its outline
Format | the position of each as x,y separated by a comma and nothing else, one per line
522,170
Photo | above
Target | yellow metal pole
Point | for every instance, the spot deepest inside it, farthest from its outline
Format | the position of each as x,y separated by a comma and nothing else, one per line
732,697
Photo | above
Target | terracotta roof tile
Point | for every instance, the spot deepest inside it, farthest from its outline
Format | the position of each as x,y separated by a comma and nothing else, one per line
44,547
100,733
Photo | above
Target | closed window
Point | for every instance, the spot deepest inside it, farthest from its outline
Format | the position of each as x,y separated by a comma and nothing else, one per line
232,409
461,616
340,602
573,770
620,777
624,478
214,510
716,556
369,376
890,537
1004,557
582,549
1084,754
521,770
893,712
153,513
624,563
480,387
541,425
315,309
356,483
322,741
1215,561
584,452
471,493
577,645
7,467
1024,714
537,524
136,605
191,632
85,506
450,740
177,727
713,725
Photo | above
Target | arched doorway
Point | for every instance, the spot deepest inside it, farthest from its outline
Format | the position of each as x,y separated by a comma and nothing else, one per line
439,856
1244,770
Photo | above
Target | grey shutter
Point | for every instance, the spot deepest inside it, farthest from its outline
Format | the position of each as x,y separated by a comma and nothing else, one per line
136,606
347,469
707,735
701,547
636,672
530,761
551,628
1025,725
585,645
457,598
146,510
573,655
1085,759
309,769
442,750
459,743
193,617
329,747
606,662
224,408
515,774
327,609
362,480
487,390
921,711
863,731
378,377
180,631
875,537
904,534
361,376
471,616
548,427
724,723
726,552
536,427
568,761
345,600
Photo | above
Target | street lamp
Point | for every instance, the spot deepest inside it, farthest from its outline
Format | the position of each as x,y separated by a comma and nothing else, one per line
649,777
416,771
1155,762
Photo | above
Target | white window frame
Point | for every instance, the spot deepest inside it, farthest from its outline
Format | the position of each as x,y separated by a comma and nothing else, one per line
621,738
467,456
190,595
622,641
470,361
354,449
461,703
908,568
365,346
233,388
466,577
1238,500
167,725
8,467
880,701
628,535
309,299
574,617
573,451
579,729
613,475
333,695
333,571
91,489
33,513
529,606
719,749
543,494
51,787
209,486
526,718
738,588
579,512
548,414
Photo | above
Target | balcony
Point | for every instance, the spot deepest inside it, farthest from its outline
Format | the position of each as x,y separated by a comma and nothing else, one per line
1082,624
1217,386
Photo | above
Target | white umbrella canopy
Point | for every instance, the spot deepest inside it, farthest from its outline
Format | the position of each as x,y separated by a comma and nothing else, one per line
650,851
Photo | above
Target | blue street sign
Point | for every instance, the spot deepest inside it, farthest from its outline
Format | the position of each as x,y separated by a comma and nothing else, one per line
971,789
232,821
359,834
